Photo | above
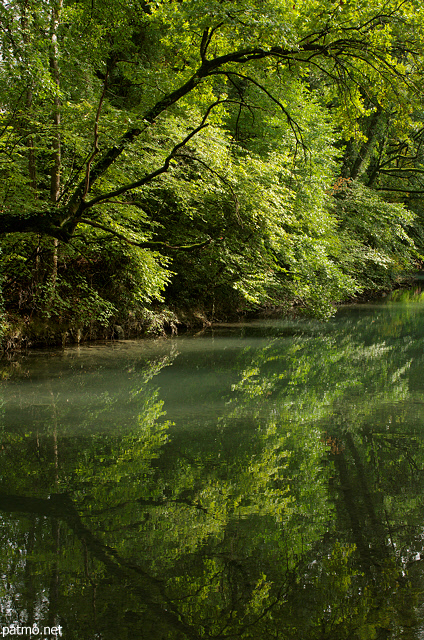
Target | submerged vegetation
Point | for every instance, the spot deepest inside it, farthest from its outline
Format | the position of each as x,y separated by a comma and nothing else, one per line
204,159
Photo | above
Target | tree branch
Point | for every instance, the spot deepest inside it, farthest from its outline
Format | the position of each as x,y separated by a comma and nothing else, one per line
206,40
295,127
354,44
96,135
148,244
415,191
224,180
154,174
205,70
395,170
340,46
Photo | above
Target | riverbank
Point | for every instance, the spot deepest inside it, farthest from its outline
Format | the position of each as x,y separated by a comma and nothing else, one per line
25,332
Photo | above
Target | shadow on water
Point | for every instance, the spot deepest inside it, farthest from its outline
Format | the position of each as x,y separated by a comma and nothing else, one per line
263,481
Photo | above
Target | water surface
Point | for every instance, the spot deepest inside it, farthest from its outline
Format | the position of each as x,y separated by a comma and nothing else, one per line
260,481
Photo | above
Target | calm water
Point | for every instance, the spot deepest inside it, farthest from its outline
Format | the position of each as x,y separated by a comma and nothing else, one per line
261,481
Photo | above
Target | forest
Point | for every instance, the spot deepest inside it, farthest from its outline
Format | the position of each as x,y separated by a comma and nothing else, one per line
187,161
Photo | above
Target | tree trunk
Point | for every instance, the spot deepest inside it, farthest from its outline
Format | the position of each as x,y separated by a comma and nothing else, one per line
354,161
55,174
54,68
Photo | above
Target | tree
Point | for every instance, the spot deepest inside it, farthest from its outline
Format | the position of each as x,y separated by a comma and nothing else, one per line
211,47
112,114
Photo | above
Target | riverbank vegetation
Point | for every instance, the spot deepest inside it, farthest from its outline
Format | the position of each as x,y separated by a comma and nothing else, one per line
167,160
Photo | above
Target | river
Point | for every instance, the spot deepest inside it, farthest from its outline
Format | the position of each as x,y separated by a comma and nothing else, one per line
262,480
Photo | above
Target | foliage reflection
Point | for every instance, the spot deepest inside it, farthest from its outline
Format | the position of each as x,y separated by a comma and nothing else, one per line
298,514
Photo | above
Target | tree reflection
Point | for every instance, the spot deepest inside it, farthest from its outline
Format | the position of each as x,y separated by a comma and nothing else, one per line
300,516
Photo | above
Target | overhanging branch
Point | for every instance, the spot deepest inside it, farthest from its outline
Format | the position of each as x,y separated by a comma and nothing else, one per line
154,174
223,180
298,53
147,244
295,127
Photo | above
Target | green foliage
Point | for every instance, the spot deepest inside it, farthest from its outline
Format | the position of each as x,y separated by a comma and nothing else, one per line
379,236
188,149
87,290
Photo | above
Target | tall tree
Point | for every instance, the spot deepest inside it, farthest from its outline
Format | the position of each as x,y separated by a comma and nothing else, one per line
204,50
143,125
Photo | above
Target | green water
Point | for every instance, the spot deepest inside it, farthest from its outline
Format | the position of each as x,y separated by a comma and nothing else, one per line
260,481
